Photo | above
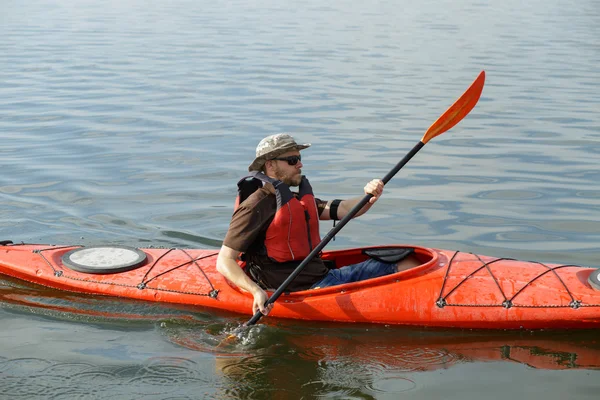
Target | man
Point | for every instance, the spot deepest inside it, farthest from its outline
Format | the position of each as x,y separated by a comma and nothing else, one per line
276,229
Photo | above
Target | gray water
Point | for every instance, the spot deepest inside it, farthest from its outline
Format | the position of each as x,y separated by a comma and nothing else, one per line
129,123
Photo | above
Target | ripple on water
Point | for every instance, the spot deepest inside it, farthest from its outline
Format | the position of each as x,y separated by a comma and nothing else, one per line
508,195
162,375
153,385
525,237
158,377
95,377
16,379
23,388
428,358
244,367
342,377
23,366
588,194
406,359
67,369
392,384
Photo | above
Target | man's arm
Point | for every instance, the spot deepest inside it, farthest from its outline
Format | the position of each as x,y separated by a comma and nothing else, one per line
375,187
228,266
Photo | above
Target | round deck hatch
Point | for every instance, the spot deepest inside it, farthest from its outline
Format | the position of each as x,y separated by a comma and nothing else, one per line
104,259
594,279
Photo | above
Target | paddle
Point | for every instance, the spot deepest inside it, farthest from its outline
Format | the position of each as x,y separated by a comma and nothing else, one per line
447,120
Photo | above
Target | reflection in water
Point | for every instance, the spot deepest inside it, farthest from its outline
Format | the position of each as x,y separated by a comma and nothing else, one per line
363,361
276,359
35,299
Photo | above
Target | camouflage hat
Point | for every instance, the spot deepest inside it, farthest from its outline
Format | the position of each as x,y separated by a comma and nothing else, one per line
272,146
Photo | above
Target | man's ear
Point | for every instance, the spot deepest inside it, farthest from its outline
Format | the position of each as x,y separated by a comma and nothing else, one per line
267,165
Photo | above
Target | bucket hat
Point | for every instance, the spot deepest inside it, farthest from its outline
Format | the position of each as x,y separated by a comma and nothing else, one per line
272,146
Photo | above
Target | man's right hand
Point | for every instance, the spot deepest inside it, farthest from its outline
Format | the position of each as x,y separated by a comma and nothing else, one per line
228,266
260,298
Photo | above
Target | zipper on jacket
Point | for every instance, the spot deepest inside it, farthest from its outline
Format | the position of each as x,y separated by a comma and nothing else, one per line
308,229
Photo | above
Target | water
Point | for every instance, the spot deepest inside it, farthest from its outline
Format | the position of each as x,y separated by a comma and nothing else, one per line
129,123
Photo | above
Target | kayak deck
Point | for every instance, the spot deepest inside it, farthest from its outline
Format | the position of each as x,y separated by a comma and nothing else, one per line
448,289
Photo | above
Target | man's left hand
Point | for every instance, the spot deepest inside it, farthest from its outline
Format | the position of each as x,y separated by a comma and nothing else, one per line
375,187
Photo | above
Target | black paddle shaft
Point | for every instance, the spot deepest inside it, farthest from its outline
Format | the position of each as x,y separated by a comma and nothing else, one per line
332,233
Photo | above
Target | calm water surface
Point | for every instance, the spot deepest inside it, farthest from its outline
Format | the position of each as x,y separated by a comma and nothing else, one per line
129,123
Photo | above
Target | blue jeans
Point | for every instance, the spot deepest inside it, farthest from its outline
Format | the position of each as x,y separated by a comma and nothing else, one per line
355,272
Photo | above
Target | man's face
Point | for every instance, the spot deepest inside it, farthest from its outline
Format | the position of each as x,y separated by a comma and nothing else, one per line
291,175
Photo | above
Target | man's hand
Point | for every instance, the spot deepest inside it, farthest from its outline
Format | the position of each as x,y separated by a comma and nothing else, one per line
375,187
260,298
228,266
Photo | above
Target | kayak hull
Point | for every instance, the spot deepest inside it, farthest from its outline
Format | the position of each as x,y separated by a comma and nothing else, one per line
448,289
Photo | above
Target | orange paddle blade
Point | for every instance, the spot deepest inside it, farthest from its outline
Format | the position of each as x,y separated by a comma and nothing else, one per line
227,341
457,111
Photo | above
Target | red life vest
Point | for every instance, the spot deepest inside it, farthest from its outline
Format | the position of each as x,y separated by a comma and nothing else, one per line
294,231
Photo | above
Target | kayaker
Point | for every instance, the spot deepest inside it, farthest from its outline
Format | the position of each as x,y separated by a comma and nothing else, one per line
275,229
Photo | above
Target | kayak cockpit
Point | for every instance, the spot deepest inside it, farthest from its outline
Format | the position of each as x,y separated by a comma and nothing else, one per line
423,257
412,259
418,259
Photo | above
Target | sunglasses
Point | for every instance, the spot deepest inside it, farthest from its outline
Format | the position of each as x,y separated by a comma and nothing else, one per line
291,160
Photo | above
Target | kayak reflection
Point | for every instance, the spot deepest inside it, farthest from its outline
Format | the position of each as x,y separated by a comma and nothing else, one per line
321,362
402,349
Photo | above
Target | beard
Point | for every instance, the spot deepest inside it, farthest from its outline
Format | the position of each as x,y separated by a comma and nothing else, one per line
289,179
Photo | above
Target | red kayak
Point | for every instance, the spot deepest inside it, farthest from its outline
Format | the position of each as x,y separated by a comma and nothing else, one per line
448,289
